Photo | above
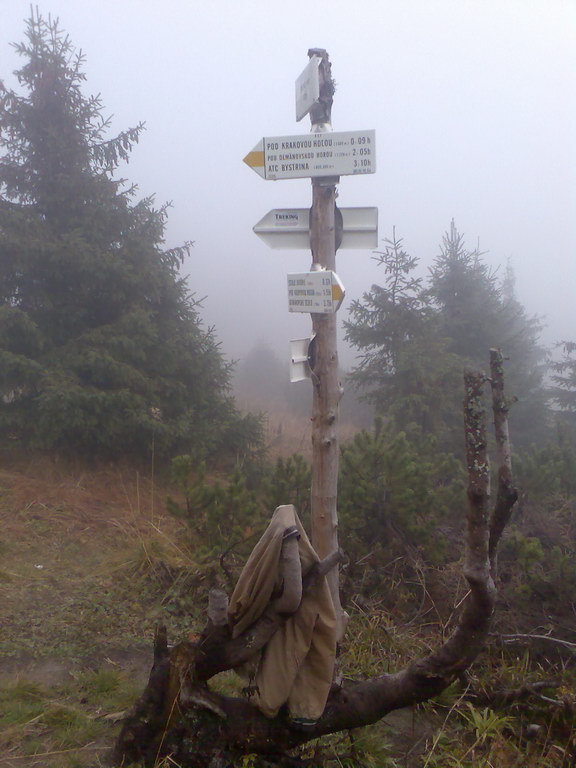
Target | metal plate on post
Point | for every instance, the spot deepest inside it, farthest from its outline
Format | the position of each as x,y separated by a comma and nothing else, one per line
308,88
299,359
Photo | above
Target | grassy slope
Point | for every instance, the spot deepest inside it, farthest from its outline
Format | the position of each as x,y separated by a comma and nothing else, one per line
89,563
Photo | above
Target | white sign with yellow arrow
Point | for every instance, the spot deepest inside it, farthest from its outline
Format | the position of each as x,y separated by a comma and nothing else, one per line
343,153
319,292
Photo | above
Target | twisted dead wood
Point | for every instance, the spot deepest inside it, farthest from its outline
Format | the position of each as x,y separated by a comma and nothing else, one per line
214,727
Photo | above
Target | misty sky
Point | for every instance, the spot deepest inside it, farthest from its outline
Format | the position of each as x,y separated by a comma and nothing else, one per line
473,103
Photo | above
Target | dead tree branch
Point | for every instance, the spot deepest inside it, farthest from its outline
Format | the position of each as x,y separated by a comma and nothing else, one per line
507,494
179,716
501,698
528,638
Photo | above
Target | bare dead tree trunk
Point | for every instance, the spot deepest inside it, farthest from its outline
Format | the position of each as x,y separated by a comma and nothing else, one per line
178,715
507,493
327,391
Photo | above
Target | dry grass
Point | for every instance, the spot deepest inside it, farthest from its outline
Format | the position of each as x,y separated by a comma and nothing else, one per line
88,564
287,433
90,496
85,560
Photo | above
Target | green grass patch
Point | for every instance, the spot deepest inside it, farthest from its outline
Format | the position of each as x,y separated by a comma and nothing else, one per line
65,724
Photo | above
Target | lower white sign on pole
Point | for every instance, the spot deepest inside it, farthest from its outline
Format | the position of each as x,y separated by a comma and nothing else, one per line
299,359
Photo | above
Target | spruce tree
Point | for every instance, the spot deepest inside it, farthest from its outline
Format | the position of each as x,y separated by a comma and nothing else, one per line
416,337
563,389
102,349
404,368
466,293
478,311
389,317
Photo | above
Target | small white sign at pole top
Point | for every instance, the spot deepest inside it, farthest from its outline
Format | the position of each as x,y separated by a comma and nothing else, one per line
308,88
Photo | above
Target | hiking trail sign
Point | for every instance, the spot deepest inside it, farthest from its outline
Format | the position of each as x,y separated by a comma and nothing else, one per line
320,292
342,153
323,156
289,228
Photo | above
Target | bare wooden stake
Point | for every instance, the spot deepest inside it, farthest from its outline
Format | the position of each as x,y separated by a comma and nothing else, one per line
325,448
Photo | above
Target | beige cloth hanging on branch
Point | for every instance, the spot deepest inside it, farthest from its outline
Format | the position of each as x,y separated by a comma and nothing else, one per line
296,666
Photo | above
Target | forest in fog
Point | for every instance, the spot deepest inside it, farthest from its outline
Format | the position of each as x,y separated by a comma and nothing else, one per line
108,366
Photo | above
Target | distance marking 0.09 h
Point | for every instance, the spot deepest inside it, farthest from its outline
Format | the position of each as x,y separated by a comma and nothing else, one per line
342,153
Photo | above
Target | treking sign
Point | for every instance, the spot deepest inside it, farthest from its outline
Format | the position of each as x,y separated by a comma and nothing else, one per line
290,228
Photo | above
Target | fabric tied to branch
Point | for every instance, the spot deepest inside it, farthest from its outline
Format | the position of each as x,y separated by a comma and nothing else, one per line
297,665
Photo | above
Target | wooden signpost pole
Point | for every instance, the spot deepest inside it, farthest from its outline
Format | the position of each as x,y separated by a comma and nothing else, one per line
322,156
327,390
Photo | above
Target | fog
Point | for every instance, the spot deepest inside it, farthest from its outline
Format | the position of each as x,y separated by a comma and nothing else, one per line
473,103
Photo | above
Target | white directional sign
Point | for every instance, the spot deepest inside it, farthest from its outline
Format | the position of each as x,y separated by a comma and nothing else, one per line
343,153
290,228
308,88
319,292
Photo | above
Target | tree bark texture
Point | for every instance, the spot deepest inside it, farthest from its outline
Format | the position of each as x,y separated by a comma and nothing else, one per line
327,390
178,715
326,398
507,494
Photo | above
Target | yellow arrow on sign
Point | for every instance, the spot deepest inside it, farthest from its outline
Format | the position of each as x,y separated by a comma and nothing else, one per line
337,293
256,160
